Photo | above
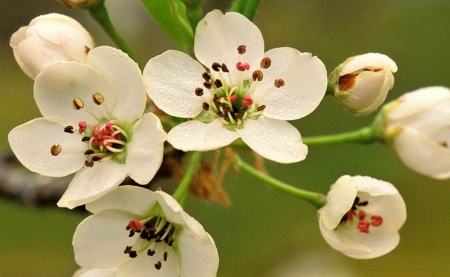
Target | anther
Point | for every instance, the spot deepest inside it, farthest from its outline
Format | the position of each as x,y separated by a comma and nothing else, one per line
218,83
279,83
98,98
205,106
165,256
86,49
55,149
89,152
216,66
198,91
127,250
261,108
207,85
77,103
170,243
206,76
257,75
96,158
85,138
158,265
266,62
242,66
68,129
151,252
89,163
242,49
225,68
132,254
443,143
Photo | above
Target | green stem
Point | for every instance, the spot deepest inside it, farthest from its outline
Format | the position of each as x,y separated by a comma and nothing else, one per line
181,192
363,135
246,7
315,198
100,14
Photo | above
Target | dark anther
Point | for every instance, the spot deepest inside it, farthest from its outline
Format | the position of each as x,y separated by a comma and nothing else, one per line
131,233
86,49
89,152
127,250
219,113
364,203
279,83
218,83
207,85
170,243
237,115
198,91
68,129
158,265
151,252
242,49
225,68
244,108
260,108
96,158
266,62
85,139
205,106
216,66
89,164
158,239
257,75
206,76
165,256
132,254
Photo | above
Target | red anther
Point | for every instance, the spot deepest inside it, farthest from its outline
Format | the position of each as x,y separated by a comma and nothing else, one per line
242,66
82,125
377,69
135,225
363,226
351,214
376,220
247,101
362,215
233,98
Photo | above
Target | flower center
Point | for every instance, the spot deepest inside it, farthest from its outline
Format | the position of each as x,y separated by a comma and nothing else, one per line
156,236
232,100
364,220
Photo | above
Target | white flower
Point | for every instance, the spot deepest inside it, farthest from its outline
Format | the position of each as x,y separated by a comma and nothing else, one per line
361,83
92,124
362,217
418,126
243,92
48,39
137,232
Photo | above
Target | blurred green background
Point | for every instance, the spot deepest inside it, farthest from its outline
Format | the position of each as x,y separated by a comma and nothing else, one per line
265,232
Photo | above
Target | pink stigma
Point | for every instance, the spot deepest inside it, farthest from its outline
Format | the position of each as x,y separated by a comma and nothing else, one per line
247,101
242,66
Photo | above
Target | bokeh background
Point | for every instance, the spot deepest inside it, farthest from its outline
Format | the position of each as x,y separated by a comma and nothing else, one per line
264,232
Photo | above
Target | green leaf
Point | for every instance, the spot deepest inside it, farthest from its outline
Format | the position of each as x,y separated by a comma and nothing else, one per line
171,17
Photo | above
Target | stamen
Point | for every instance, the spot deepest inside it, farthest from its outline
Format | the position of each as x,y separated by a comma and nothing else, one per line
257,75
205,106
247,101
206,76
158,265
55,149
127,250
82,125
85,138
207,85
242,66
218,83
165,256
96,158
265,62
347,81
89,152
151,252
225,68
98,98
279,83
89,163
216,66
376,220
77,103
242,49
68,129
132,254
86,49
261,108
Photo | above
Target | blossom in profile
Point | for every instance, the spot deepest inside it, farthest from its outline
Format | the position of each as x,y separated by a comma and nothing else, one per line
417,126
93,125
362,217
237,90
48,39
362,82
136,232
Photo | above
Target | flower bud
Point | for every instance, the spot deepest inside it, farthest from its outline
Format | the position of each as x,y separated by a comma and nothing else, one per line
48,39
417,126
361,83
81,3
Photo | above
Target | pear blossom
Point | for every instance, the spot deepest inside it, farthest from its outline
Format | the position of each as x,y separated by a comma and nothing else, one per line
237,90
417,126
81,3
136,232
93,125
362,82
48,39
362,217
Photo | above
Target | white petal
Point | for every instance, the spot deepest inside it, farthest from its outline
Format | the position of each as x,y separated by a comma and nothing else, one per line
273,139
368,60
422,154
218,36
171,79
146,149
124,77
100,239
197,259
31,143
91,183
107,272
144,265
195,135
339,201
59,84
305,78
130,199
